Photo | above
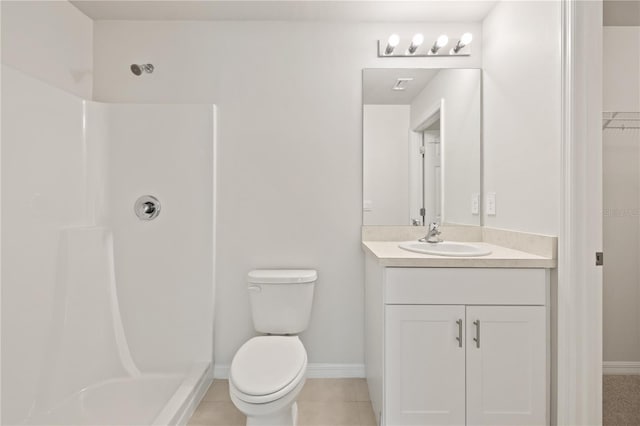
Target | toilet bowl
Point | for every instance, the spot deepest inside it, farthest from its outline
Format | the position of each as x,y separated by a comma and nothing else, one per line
268,372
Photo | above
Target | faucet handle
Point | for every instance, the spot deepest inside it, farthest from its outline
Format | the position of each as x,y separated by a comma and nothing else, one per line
434,227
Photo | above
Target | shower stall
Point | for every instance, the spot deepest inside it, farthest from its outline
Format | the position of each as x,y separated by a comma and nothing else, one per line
107,306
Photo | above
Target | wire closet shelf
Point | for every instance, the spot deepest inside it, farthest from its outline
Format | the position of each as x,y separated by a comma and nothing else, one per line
620,120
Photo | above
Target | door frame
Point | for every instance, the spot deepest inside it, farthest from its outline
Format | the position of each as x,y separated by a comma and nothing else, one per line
579,290
416,132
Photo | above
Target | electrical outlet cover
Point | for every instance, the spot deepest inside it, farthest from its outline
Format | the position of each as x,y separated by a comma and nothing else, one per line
491,204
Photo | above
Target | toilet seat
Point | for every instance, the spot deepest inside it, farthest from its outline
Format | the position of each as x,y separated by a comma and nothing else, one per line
266,368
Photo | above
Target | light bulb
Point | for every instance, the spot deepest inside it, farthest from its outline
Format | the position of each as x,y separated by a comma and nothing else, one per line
464,40
442,41
416,41
394,39
392,42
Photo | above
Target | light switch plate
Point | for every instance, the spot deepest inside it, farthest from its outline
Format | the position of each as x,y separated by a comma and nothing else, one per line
475,203
491,204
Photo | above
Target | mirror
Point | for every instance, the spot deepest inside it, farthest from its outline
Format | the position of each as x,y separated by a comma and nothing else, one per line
421,146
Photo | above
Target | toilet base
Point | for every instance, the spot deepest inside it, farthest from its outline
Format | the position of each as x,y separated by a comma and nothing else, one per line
282,412
281,418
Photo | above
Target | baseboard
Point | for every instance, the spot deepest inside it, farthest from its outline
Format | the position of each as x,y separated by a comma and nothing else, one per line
335,371
314,371
620,368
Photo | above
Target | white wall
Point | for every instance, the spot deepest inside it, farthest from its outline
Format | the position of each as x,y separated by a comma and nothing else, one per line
49,40
290,156
461,127
622,13
386,154
621,67
621,187
521,114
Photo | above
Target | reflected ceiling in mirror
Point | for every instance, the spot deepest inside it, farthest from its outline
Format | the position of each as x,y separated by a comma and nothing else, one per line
421,146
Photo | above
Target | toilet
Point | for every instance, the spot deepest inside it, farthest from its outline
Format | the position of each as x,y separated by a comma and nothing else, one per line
268,372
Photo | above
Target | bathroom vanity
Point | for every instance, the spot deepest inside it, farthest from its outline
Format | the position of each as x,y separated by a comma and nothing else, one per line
453,337
455,341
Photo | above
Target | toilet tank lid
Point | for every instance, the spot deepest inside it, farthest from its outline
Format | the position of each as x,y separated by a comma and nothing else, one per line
282,276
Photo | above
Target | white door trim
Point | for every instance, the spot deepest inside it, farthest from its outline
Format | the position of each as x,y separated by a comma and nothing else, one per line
579,369
436,108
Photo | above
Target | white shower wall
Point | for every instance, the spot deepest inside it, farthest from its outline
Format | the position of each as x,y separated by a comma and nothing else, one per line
165,265
89,292
42,192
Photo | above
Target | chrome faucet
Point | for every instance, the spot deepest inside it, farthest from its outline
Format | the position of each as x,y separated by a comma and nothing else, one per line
432,235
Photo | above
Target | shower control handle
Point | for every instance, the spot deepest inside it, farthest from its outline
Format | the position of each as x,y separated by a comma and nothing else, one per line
147,207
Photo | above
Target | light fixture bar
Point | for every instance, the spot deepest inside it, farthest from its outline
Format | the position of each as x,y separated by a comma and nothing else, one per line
398,46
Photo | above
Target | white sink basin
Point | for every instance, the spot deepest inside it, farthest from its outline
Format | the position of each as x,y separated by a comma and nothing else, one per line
446,249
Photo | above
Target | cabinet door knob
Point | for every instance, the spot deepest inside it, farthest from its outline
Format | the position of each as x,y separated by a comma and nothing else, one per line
477,338
459,338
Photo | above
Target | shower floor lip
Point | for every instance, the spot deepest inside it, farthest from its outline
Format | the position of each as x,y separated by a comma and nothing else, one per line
150,399
187,397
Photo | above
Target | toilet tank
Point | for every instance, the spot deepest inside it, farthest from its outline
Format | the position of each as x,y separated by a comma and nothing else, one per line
281,299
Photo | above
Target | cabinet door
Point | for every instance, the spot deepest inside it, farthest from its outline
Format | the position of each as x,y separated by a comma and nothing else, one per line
424,365
506,365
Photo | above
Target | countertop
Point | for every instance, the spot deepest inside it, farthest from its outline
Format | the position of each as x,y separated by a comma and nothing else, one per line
389,254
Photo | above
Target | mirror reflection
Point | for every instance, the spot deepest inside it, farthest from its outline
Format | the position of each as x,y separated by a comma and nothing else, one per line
421,146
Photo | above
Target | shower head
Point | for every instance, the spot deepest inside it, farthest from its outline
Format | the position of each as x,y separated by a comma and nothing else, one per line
139,69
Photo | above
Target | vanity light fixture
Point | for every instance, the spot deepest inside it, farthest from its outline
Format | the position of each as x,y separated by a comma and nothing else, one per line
399,46
464,41
392,42
416,41
440,43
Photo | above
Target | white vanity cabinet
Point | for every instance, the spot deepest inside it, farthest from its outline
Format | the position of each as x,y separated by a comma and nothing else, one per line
456,346
425,367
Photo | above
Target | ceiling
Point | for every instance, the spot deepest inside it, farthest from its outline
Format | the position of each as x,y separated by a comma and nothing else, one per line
304,10
377,84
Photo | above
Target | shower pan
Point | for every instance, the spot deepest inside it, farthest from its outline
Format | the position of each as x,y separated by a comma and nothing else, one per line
106,319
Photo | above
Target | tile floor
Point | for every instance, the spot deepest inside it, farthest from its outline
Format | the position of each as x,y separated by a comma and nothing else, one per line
322,402
345,402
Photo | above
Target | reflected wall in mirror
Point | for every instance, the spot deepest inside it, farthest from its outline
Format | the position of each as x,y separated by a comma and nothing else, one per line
421,146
